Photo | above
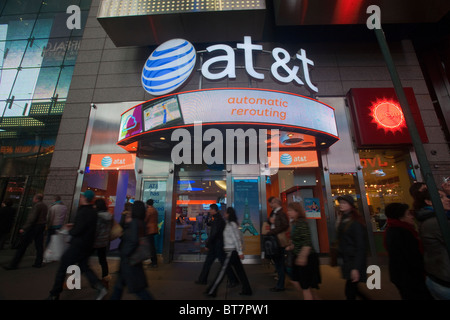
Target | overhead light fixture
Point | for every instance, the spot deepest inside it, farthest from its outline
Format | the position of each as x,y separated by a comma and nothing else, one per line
221,184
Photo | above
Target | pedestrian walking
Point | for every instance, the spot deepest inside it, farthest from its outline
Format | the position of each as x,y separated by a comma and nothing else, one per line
306,267
214,247
151,221
233,246
351,237
404,247
56,216
279,223
436,257
102,236
32,230
82,232
132,276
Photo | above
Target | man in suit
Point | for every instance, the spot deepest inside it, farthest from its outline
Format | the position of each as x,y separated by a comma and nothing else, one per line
81,245
279,223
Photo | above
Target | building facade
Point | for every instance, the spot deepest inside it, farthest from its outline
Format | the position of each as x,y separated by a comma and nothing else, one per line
309,77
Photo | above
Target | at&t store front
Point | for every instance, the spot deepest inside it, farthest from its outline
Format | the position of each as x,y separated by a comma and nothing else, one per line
235,146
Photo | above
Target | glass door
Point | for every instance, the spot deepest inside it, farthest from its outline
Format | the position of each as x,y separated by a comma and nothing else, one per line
194,193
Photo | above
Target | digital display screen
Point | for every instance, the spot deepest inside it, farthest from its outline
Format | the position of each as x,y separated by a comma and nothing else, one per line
162,113
131,123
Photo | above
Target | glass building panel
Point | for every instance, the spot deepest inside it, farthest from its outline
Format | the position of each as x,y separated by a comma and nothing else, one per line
3,31
7,78
45,86
65,78
12,53
19,27
55,52
34,53
21,6
52,25
25,84
42,27
58,5
16,109
85,5
73,45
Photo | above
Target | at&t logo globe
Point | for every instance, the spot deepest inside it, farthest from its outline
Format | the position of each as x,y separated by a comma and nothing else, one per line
168,67
106,161
286,159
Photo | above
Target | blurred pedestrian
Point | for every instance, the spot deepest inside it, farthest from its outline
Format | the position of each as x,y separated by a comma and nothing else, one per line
132,276
446,186
402,242
126,213
102,236
436,257
6,220
32,230
306,267
151,220
56,216
351,237
82,232
233,246
279,223
214,247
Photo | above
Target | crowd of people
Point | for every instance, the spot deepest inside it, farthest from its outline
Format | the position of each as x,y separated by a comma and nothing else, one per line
419,263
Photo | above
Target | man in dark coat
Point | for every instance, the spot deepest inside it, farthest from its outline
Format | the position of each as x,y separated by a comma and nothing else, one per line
279,223
81,246
214,246
402,242
33,229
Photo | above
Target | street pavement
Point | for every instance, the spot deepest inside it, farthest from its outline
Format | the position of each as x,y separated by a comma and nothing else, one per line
175,281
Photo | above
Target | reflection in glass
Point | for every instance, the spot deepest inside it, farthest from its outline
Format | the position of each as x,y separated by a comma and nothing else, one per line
65,78
6,82
25,84
13,53
46,83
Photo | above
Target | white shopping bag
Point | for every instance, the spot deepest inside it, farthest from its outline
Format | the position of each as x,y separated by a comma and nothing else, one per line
56,247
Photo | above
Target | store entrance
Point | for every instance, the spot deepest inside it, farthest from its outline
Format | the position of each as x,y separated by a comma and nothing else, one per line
196,188
303,185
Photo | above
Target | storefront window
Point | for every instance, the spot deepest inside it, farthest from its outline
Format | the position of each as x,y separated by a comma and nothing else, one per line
388,174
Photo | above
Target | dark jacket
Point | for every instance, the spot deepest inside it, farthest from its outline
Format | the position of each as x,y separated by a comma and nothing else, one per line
281,222
215,239
436,258
84,228
132,276
37,216
352,247
406,268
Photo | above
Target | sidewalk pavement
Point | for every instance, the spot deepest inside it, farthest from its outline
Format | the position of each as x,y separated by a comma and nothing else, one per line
175,281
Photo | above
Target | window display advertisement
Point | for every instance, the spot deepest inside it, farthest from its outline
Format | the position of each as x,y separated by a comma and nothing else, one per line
156,190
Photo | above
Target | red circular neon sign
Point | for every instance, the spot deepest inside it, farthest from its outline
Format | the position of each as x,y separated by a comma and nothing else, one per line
388,116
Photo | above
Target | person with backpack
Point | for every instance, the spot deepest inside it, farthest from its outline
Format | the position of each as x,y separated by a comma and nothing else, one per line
233,246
